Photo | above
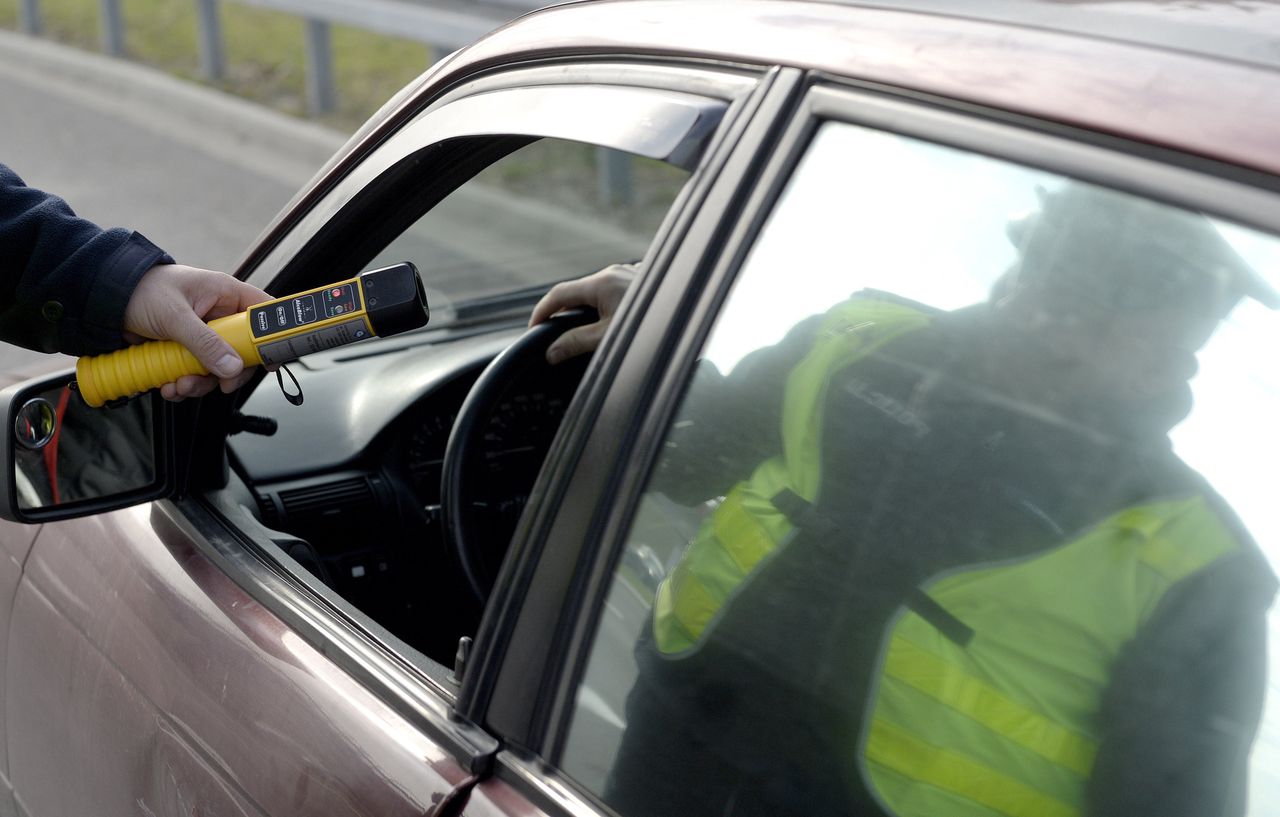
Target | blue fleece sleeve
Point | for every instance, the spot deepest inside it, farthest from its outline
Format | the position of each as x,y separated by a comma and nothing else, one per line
64,282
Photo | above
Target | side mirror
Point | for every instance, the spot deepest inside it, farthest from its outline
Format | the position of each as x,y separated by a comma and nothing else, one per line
64,459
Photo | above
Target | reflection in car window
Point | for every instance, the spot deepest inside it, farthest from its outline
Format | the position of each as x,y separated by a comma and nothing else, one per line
963,513
549,211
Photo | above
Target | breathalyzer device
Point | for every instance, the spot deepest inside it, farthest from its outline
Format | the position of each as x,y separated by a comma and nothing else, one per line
378,303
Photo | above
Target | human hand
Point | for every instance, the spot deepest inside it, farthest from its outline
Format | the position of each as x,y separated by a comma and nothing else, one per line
602,290
172,302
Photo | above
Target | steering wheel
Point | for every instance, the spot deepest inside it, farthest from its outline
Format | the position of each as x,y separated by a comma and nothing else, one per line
478,532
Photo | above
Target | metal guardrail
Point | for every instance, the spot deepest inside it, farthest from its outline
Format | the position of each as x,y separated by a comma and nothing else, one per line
443,24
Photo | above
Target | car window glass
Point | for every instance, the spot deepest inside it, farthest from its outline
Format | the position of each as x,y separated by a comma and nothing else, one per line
967,509
548,211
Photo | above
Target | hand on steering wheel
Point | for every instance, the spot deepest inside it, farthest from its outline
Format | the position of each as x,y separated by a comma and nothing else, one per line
479,552
601,291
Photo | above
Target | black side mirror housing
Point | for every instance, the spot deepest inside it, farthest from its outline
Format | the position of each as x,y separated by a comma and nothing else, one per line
64,459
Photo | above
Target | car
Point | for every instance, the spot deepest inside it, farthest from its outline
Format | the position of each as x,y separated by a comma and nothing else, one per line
430,587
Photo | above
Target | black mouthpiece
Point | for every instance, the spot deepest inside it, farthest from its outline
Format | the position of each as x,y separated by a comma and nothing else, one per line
395,299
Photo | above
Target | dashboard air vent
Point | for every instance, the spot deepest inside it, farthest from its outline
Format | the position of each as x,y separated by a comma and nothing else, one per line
327,499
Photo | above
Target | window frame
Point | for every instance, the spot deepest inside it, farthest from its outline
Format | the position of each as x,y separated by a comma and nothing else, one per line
1224,190
537,581
354,642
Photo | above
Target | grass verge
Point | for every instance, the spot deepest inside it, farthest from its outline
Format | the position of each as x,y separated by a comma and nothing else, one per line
265,50
266,63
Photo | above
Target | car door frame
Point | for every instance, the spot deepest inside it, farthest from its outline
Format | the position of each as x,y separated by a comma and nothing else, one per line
588,527
390,669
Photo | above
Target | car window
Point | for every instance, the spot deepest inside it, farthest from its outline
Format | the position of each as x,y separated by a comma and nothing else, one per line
966,510
544,210
548,211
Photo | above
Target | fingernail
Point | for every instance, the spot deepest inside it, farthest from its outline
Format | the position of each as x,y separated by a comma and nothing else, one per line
554,355
228,366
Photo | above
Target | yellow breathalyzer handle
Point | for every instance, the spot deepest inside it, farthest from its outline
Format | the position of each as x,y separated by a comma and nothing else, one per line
378,303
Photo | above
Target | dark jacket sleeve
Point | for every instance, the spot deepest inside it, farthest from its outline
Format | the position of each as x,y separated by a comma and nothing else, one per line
1186,697
64,282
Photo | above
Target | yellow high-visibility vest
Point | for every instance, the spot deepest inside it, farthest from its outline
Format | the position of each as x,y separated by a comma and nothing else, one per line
1005,723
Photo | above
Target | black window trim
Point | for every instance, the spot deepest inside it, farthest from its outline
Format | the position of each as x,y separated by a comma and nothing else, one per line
549,541
708,268
1226,191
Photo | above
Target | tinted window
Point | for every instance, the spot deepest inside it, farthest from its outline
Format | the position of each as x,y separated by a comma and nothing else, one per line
967,510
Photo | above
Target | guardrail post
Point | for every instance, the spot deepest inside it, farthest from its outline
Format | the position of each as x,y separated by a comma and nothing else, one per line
321,94
112,28
213,56
614,177
29,21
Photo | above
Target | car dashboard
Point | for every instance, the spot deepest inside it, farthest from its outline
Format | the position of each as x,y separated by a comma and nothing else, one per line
355,471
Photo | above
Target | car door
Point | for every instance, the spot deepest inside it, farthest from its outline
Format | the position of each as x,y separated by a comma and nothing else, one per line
759,670
181,657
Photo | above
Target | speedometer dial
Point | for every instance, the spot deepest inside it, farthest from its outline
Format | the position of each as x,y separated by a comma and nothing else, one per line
425,452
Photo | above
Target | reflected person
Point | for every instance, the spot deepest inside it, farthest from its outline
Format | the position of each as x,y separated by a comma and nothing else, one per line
954,566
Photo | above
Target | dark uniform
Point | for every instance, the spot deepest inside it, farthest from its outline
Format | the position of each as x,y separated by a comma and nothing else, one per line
64,282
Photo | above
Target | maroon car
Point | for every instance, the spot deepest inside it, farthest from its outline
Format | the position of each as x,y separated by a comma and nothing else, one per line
924,470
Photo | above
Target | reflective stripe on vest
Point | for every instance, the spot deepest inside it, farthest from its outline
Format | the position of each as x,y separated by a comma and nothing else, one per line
746,527
1007,725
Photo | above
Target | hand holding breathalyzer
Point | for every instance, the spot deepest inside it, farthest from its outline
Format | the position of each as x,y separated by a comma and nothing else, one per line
174,302
380,302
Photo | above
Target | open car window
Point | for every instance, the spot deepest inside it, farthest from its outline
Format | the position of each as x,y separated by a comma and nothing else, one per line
964,511
494,198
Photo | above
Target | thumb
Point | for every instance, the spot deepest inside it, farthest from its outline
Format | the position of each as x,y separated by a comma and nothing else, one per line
214,353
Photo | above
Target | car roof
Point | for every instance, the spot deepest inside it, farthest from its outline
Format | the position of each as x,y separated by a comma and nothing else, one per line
1201,78
1245,31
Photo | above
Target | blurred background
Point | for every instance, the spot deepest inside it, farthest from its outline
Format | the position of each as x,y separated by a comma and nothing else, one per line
195,121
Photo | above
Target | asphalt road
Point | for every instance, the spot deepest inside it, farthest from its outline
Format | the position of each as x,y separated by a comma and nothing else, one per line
197,172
